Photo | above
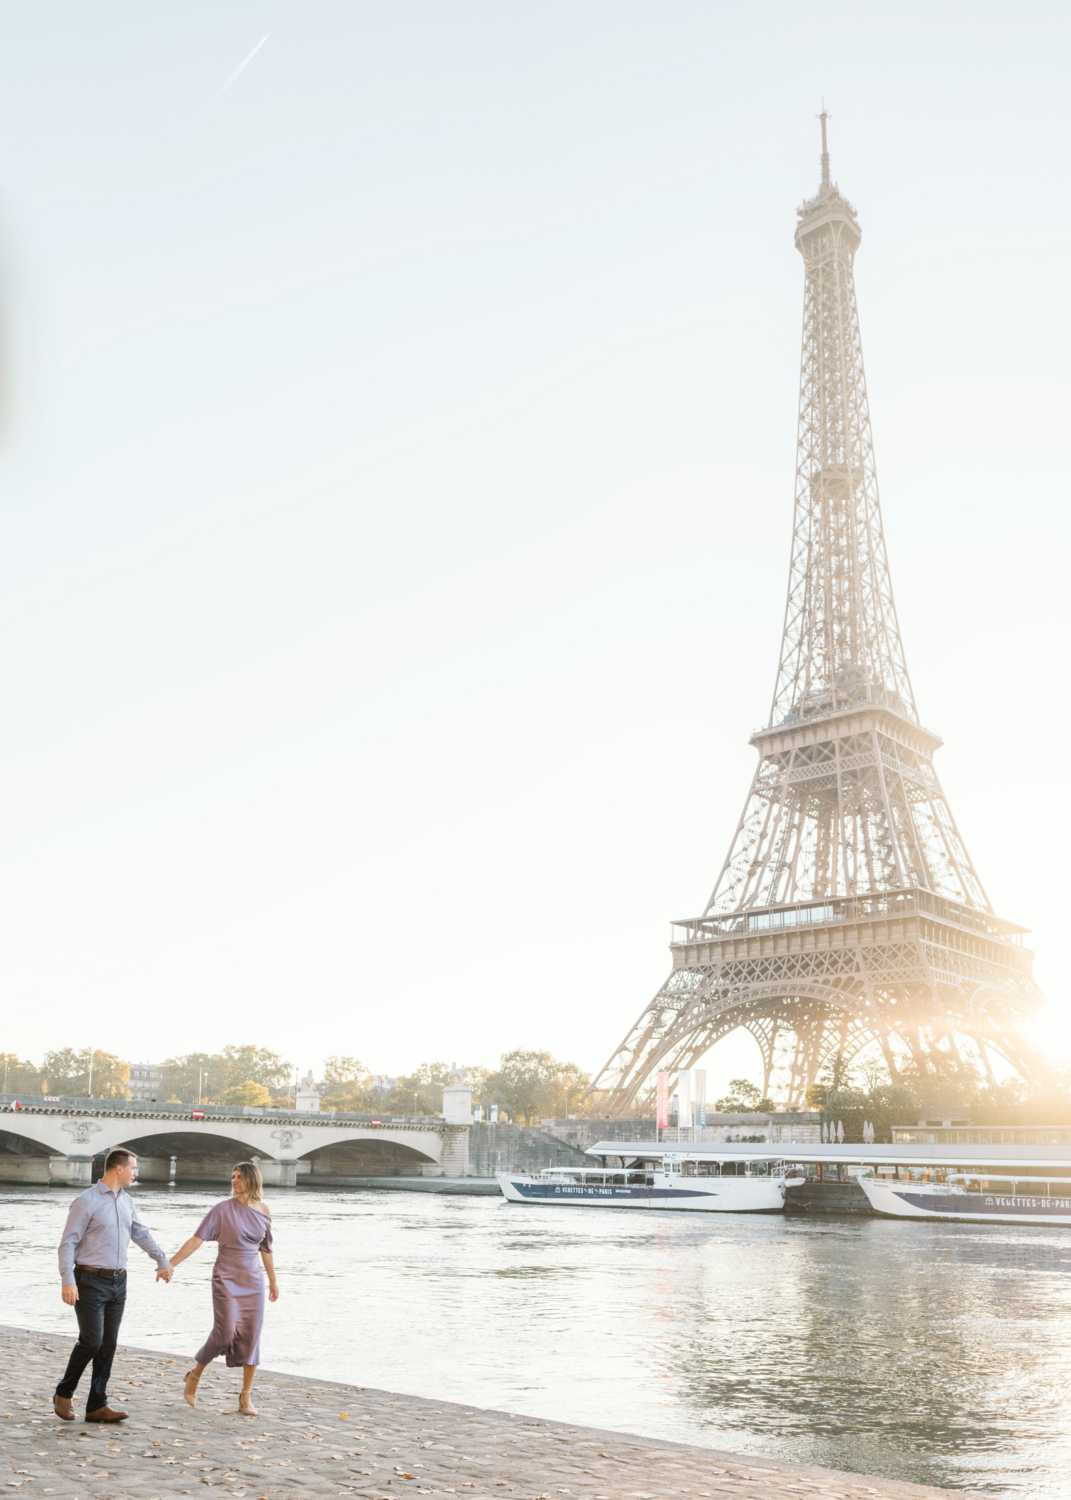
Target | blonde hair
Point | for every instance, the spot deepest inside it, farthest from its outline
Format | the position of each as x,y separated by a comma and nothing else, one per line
252,1181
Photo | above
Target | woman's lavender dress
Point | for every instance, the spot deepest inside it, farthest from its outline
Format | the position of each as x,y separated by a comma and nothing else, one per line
237,1281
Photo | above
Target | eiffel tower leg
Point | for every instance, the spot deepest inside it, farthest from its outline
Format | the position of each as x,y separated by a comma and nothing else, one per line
807,1059
765,1033
1022,1056
983,1053
912,1035
889,1055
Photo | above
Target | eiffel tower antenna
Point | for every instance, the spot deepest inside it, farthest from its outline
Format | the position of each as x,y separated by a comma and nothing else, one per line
848,913
825,147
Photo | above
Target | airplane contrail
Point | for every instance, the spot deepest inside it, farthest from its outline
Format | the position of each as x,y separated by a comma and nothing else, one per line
244,64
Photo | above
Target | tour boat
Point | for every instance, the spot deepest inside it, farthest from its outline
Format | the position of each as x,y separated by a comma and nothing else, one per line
1005,1200
679,1181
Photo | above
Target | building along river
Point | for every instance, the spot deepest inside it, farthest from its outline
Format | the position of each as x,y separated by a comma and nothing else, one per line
933,1352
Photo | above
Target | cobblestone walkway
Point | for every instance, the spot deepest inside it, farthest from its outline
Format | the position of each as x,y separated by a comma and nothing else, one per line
317,1438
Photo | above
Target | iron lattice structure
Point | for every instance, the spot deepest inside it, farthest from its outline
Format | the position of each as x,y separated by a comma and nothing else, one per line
848,911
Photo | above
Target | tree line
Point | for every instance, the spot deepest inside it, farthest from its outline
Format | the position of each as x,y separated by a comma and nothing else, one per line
527,1086
851,1092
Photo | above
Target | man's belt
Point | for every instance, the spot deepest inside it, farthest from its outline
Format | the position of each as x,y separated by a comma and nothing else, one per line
101,1270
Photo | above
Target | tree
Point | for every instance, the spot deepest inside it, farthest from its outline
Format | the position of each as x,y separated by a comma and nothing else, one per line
531,1086
256,1064
744,1098
194,1077
208,1076
883,1106
938,1076
18,1077
420,1092
100,1075
838,1073
248,1093
347,1086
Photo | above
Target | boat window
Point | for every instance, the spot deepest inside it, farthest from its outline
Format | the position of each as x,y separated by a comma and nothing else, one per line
1031,1188
688,1169
708,1169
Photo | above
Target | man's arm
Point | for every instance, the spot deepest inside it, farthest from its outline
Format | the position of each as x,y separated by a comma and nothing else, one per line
144,1241
75,1227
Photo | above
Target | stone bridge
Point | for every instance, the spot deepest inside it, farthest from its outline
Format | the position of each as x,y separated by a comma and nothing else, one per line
57,1141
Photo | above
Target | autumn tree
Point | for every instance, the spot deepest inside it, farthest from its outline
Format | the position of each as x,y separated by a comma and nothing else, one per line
532,1086
247,1093
192,1077
208,1076
18,1076
96,1075
347,1086
419,1092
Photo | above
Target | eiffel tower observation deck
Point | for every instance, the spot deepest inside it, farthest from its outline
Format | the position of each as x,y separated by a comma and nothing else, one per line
848,913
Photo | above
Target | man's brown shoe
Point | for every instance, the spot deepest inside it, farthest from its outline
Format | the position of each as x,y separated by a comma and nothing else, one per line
63,1407
105,1414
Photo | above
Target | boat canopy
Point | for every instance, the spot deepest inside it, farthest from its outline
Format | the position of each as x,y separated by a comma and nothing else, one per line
1054,1159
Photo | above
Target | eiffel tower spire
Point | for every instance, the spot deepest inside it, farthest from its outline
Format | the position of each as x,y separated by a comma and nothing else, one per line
848,912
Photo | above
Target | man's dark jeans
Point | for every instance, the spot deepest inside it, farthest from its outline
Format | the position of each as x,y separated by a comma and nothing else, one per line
99,1309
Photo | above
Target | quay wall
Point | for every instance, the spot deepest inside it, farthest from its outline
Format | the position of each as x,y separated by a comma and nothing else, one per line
519,1148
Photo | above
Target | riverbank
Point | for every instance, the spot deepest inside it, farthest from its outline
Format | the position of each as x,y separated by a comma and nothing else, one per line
318,1438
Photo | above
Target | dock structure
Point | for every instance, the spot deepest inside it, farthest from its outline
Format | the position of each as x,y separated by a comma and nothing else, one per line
319,1437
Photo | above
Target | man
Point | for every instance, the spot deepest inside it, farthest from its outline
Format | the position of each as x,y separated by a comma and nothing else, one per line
92,1263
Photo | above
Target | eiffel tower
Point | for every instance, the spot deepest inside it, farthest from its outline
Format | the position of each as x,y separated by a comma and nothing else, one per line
848,913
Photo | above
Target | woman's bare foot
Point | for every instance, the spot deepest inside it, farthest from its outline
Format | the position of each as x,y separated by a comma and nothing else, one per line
245,1405
190,1391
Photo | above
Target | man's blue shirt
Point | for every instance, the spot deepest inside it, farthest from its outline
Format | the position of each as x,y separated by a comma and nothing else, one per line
99,1228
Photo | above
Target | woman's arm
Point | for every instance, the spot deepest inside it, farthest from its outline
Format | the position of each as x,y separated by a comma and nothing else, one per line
269,1265
192,1244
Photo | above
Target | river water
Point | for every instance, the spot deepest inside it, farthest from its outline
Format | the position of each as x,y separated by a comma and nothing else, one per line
939,1353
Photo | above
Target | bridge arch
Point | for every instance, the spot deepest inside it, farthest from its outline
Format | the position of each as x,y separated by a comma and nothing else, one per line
364,1156
206,1147
26,1143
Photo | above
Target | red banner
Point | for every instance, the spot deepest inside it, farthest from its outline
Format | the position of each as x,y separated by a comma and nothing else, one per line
662,1102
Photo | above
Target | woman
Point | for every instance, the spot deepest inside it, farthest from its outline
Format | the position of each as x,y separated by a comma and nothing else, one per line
241,1226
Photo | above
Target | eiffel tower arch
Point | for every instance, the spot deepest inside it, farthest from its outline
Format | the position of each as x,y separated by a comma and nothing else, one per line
848,913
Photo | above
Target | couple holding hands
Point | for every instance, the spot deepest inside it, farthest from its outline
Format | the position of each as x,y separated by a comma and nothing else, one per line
92,1261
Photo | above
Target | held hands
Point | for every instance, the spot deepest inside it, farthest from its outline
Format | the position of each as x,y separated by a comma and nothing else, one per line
69,1294
164,1273
273,1291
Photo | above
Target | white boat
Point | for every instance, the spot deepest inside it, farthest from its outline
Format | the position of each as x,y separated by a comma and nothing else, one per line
689,1181
1004,1200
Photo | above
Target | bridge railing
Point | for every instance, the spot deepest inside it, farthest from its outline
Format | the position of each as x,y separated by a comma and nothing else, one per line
63,1104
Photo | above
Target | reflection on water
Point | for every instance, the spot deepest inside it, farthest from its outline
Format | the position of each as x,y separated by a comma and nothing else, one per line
939,1353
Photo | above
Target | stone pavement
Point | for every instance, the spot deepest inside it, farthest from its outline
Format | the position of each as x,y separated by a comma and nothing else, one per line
316,1438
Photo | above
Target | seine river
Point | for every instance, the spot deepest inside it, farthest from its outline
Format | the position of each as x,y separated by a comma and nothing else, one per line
939,1353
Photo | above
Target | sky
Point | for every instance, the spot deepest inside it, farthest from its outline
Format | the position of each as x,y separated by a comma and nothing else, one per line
396,478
